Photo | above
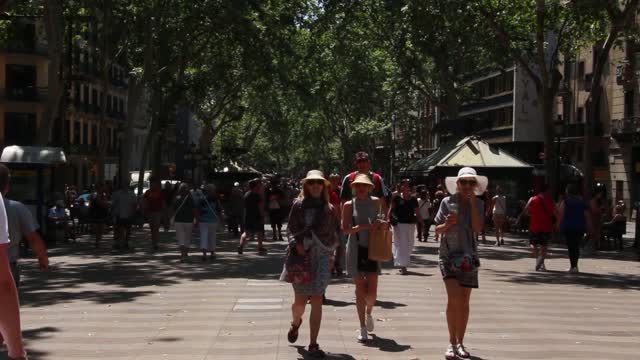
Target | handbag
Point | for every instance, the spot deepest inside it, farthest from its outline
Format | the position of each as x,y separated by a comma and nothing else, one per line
297,266
380,245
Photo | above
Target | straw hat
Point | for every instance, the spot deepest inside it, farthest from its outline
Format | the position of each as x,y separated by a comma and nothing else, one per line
362,179
316,175
467,173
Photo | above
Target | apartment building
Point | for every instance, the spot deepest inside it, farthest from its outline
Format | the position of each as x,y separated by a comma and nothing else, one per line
504,111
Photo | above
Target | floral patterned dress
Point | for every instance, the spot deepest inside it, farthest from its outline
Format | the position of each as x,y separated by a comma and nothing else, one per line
312,217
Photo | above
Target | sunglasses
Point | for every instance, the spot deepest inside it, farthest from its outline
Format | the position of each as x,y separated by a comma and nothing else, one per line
315,182
468,182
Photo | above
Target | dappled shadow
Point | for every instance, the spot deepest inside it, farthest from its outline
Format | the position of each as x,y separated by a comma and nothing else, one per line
386,345
124,277
304,354
32,336
589,280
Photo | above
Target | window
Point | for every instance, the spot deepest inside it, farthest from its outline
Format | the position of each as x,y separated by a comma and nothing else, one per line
21,82
76,132
579,153
628,103
19,128
580,114
85,133
619,190
581,70
94,134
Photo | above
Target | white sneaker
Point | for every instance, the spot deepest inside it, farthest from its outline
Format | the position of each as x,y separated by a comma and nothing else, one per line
542,268
450,353
462,352
370,323
363,335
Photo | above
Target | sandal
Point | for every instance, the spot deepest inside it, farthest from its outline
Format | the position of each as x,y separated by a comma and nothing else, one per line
316,352
292,335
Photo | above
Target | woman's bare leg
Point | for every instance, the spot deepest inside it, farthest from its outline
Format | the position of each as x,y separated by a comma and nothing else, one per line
453,295
361,298
463,318
372,291
315,319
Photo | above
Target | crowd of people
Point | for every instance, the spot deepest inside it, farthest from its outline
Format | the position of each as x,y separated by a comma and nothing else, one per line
330,226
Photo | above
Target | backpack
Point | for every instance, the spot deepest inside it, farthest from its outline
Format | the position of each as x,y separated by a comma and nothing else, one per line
376,181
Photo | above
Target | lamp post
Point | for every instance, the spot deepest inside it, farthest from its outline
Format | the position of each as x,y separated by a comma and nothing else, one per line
558,126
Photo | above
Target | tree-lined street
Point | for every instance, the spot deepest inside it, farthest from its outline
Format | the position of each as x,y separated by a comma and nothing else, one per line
141,306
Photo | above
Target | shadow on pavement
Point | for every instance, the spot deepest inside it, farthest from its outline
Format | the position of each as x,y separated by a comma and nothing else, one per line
589,280
338,303
389,305
33,335
386,345
125,277
330,356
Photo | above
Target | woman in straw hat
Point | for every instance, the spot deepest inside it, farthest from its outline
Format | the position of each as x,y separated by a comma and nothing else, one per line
313,222
459,216
361,214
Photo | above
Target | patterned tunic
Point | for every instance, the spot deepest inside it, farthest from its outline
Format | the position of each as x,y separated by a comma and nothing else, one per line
307,216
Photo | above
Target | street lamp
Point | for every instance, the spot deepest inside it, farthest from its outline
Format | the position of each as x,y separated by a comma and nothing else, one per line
558,127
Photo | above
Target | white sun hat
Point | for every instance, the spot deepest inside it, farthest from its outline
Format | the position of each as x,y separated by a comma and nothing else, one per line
467,173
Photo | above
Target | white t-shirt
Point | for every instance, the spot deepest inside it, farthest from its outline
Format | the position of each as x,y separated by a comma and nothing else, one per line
4,227
423,207
499,205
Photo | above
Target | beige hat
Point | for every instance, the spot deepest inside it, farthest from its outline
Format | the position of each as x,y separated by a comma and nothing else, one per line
467,173
362,179
316,175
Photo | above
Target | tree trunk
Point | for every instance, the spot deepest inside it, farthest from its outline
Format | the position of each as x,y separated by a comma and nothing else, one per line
134,96
103,141
592,115
54,24
550,154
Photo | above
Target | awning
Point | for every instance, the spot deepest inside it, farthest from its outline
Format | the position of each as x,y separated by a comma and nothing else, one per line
470,151
33,155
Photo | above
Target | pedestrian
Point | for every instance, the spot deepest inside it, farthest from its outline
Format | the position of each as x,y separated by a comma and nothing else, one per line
275,198
10,314
359,216
185,215
424,208
168,195
253,216
404,213
236,208
338,260
598,208
153,207
313,222
99,212
363,166
125,206
22,226
460,216
58,219
617,227
542,213
210,217
573,217
499,213
438,197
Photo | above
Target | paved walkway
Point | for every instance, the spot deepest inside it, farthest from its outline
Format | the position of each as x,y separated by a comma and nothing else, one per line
103,305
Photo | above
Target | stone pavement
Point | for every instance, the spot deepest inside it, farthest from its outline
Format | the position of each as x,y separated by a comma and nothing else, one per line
140,305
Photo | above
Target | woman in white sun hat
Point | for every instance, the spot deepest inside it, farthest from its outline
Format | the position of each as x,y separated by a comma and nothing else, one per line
459,216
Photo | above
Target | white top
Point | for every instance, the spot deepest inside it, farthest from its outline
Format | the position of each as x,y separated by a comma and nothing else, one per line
4,227
499,205
423,207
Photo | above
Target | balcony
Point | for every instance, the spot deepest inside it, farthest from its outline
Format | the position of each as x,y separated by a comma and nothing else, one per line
625,129
25,94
